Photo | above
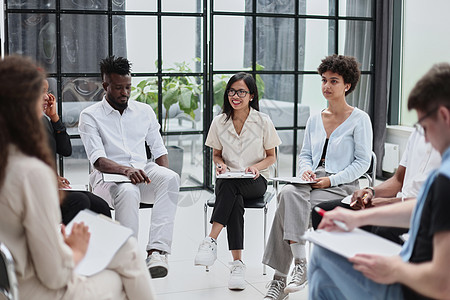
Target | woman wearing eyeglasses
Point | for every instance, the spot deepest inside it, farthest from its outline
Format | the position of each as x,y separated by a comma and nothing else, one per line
336,151
242,139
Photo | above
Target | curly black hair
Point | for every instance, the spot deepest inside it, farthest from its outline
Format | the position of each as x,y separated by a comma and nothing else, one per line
113,65
346,66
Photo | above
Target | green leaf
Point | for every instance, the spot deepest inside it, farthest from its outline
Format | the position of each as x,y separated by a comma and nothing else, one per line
170,97
142,84
136,93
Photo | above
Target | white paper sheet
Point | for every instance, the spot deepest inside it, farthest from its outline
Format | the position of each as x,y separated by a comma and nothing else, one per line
76,187
292,180
229,175
347,200
107,177
354,242
107,236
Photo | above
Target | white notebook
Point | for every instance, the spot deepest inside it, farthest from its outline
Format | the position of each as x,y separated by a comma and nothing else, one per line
108,177
107,236
292,180
229,175
354,242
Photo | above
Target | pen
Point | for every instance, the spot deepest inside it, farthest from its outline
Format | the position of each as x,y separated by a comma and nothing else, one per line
339,224
363,198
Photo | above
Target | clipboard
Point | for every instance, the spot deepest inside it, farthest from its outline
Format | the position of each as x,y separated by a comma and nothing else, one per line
107,237
292,180
234,175
357,241
108,177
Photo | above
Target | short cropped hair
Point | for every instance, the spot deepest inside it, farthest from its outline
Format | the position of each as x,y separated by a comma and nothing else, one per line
346,66
113,65
432,90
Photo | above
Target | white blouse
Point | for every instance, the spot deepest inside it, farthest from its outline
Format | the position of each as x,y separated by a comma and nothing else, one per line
243,150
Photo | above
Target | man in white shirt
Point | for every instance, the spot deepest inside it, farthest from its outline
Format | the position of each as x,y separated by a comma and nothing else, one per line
114,132
418,160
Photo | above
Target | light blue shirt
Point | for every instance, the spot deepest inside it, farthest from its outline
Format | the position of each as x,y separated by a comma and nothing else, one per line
349,148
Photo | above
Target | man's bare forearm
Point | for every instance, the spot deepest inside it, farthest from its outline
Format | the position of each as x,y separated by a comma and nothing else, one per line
106,165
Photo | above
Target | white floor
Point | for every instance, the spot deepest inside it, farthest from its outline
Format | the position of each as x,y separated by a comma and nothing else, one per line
186,281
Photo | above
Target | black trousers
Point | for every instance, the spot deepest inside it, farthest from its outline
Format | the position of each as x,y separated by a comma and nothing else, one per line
229,207
75,201
390,233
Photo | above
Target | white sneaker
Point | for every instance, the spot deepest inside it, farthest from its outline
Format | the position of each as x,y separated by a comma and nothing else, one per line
276,290
299,279
157,264
237,276
207,252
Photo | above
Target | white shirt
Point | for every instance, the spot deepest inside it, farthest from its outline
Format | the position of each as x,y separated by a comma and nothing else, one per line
349,150
243,150
120,138
419,159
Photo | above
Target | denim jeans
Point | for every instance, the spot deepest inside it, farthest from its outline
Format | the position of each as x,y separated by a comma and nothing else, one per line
332,276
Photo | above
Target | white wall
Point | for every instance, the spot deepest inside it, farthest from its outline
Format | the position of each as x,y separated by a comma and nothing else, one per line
426,41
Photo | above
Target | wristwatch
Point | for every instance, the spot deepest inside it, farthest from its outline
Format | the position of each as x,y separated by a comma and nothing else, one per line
372,189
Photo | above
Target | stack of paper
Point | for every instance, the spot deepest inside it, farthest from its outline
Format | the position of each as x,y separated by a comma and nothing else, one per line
107,236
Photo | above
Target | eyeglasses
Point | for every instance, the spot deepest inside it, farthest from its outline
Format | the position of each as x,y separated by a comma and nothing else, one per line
240,93
418,126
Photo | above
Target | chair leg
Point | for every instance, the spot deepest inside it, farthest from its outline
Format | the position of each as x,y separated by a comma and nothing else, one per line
265,233
205,209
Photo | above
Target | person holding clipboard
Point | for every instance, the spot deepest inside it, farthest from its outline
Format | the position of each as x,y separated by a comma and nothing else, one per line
45,257
336,151
243,139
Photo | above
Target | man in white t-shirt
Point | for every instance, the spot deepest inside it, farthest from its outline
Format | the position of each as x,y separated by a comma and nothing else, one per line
418,159
114,132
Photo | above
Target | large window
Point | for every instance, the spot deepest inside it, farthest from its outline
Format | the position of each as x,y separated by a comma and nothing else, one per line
282,43
425,42
195,46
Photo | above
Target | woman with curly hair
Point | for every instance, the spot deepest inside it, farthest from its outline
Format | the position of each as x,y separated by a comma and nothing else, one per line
336,151
45,258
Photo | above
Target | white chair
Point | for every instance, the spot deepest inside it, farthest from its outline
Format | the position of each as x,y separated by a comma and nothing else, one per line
8,281
258,203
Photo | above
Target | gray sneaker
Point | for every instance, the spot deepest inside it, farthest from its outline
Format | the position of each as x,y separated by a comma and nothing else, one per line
299,279
157,264
276,290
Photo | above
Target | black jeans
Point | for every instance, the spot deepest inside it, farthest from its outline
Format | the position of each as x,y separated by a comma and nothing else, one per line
229,207
75,201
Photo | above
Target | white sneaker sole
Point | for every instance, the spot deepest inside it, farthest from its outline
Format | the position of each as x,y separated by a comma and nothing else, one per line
236,287
295,288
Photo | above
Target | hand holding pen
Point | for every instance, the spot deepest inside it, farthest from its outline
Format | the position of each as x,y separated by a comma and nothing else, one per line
309,175
361,199
338,219
221,168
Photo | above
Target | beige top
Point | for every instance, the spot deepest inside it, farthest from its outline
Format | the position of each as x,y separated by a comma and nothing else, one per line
249,147
29,226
